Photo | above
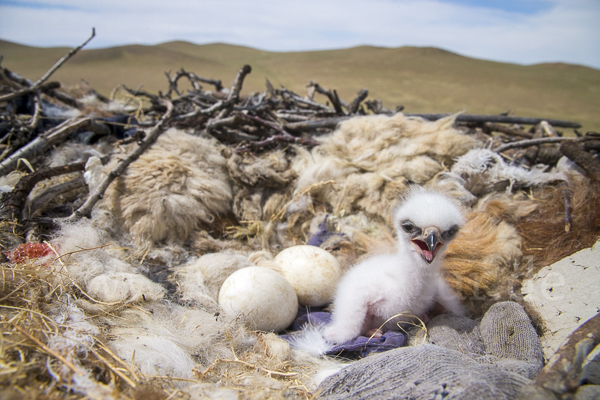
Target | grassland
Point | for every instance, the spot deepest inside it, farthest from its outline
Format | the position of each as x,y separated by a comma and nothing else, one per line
421,79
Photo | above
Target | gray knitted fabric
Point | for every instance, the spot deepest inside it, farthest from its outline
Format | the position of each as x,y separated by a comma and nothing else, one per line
464,360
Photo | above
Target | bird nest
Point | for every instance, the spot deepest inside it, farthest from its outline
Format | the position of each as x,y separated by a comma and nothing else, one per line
121,217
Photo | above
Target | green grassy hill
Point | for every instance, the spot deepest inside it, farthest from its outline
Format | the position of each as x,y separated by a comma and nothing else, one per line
421,79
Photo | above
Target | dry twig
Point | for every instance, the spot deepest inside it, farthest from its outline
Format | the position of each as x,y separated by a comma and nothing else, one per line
12,205
582,158
86,208
48,73
562,374
530,142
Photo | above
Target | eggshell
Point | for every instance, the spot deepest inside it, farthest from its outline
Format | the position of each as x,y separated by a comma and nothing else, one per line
264,299
313,273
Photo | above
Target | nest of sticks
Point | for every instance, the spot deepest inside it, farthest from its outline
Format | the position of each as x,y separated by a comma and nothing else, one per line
60,330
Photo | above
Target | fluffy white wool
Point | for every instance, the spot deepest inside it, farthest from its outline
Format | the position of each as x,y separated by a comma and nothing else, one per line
311,340
79,333
270,169
169,339
200,279
177,185
154,354
73,343
76,152
370,141
124,287
94,172
488,165
9,181
91,261
125,106
370,158
453,185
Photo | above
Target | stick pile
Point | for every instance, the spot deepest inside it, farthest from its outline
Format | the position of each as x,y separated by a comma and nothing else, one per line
37,116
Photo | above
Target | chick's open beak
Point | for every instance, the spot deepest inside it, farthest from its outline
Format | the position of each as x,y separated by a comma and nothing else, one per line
428,244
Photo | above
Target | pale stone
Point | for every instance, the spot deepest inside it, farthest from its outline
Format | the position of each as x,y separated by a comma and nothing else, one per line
566,294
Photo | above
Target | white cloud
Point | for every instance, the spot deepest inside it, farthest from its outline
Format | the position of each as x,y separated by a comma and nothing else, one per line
567,31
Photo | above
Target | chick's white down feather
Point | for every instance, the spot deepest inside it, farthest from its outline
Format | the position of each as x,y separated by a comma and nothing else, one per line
398,285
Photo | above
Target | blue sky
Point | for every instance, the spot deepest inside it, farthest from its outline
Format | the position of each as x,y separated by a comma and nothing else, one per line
517,31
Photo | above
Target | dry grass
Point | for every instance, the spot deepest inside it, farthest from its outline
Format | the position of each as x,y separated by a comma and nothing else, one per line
34,364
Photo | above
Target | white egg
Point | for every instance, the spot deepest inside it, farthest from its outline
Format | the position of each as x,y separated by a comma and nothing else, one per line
313,273
264,299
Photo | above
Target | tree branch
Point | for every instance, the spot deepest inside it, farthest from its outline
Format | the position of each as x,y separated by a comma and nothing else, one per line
43,142
562,373
530,142
505,129
503,119
86,208
331,95
234,93
275,139
13,203
353,108
582,158
49,73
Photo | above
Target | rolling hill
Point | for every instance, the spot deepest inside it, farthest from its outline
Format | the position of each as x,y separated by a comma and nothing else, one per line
422,79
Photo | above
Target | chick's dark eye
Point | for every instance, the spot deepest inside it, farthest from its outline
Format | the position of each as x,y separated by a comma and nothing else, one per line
408,227
450,233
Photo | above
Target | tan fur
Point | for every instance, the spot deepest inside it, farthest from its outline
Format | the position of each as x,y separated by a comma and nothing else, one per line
484,248
200,279
174,188
544,235
369,158
270,170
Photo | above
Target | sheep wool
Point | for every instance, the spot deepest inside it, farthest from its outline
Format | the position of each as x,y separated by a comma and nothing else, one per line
200,279
369,158
97,266
489,168
174,189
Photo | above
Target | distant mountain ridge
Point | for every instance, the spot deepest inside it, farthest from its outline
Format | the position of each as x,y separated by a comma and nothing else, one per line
423,79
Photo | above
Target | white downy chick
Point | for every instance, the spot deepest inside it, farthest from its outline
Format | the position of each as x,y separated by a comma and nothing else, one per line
407,282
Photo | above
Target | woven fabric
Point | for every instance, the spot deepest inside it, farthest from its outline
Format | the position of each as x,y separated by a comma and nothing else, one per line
464,360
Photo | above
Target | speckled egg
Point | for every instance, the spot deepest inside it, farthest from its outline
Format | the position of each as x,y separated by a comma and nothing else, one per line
264,299
313,273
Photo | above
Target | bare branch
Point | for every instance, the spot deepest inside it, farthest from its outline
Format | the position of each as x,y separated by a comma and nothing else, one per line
502,119
329,123
562,373
13,203
193,78
505,129
277,139
86,208
43,142
313,104
49,73
332,96
353,108
234,93
36,114
530,142
582,158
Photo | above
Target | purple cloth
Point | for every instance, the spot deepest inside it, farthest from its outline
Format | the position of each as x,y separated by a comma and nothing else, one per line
320,236
357,347
362,345
310,317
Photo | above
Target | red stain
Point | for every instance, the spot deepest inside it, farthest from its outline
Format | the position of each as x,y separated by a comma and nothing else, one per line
28,251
